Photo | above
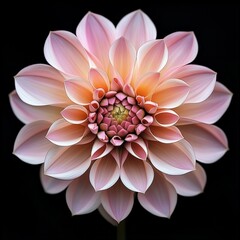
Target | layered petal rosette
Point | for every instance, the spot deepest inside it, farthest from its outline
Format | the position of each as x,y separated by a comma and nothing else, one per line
118,115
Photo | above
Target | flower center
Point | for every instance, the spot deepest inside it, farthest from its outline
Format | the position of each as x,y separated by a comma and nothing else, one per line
120,113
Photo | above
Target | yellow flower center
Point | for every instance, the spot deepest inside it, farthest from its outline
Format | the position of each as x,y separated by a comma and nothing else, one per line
119,113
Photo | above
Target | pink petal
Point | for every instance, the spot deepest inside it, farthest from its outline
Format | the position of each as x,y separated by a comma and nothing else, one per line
96,33
67,162
182,48
210,110
200,79
79,91
75,114
120,155
208,141
138,148
27,113
99,79
165,134
63,51
31,145
137,27
189,184
117,201
122,56
40,84
165,118
171,93
136,175
81,197
160,199
100,149
87,138
52,185
175,159
104,173
106,216
63,133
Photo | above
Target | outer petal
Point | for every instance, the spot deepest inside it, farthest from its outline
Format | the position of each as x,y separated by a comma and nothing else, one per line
189,184
208,141
118,201
175,159
106,216
137,27
136,175
52,185
210,110
160,199
100,149
96,33
67,162
104,173
75,114
81,197
99,79
63,51
27,113
31,145
165,118
182,48
40,84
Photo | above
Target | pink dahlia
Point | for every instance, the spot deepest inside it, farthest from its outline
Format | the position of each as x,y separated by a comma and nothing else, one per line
118,114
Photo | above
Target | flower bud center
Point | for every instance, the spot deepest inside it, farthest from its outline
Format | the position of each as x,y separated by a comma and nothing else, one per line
119,112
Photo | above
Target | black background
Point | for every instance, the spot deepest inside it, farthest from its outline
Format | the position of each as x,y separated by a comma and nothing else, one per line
29,213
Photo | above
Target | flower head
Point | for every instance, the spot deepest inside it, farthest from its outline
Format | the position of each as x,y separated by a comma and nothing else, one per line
117,114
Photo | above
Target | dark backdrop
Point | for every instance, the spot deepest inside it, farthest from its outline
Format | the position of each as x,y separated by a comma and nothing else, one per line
29,213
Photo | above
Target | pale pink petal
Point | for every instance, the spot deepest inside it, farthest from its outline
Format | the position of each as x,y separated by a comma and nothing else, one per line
210,110
182,48
87,138
106,216
171,93
79,91
100,149
27,113
122,56
189,184
75,114
81,197
52,185
67,162
165,134
151,57
208,141
99,79
40,84
63,51
96,33
137,27
120,155
136,175
175,159
63,133
31,145
160,199
200,79
118,201
138,148
104,173
165,118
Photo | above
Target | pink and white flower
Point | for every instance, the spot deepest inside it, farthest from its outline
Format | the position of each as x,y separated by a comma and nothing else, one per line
118,114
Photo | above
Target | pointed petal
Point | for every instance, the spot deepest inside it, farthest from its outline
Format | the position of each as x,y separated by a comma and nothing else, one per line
75,114
96,33
175,159
100,149
31,145
171,93
165,118
122,56
27,113
104,173
52,185
210,110
160,199
40,84
63,51
99,79
106,216
63,133
208,141
118,201
81,197
182,48
189,184
136,175
137,27
67,162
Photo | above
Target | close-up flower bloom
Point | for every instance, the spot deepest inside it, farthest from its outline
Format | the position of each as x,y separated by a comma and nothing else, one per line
117,116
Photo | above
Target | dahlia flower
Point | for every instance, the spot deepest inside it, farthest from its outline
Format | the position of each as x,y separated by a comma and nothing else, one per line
117,115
